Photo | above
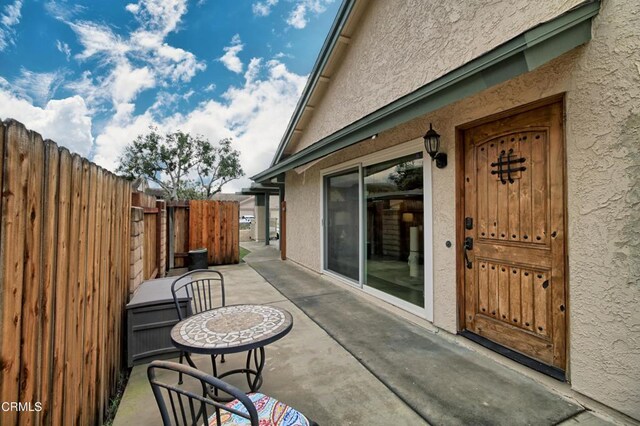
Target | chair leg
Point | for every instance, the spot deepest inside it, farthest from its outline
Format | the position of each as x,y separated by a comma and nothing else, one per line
222,358
180,375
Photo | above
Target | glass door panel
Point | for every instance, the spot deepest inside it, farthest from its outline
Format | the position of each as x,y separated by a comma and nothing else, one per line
395,228
342,224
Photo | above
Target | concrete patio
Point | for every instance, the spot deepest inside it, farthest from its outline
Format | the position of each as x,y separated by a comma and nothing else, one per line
349,361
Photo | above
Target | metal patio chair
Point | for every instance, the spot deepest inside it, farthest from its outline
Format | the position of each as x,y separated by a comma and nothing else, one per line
190,407
201,286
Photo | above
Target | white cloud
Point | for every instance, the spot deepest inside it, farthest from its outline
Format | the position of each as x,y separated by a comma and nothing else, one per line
140,61
254,115
252,70
93,92
188,95
210,88
230,58
162,16
12,14
64,48
62,10
176,64
99,40
66,121
281,55
38,88
299,16
126,82
9,18
263,8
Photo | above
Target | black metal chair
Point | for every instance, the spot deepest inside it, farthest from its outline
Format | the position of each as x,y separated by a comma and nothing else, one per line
197,408
200,285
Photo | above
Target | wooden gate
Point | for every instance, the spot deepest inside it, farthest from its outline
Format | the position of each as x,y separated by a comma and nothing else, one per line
213,225
512,234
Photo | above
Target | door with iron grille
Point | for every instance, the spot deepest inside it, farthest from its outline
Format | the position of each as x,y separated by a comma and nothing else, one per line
514,234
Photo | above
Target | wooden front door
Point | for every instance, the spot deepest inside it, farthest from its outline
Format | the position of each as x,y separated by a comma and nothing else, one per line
514,273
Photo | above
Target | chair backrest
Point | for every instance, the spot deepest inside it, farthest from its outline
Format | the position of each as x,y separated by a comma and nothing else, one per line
180,405
201,285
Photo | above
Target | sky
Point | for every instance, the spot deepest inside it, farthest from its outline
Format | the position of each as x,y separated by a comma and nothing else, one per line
93,74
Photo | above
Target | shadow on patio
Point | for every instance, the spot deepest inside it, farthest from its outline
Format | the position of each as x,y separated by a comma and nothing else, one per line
349,362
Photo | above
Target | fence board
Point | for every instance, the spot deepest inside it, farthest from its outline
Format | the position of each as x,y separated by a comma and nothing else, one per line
180,235
49,255
111,303
90,296
212,225
103,311
73,295
14,189
62,275
64,272
32,279
150,245
236,233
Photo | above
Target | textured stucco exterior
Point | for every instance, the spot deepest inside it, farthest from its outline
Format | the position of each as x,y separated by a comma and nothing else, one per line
601,81
401,45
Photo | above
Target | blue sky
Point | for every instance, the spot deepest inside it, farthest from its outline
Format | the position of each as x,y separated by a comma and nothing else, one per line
92,75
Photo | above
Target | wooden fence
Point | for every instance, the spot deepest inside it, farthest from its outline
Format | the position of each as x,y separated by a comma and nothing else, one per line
154,265
64,260
213,225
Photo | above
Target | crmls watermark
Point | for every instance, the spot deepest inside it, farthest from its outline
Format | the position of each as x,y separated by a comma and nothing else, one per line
20,406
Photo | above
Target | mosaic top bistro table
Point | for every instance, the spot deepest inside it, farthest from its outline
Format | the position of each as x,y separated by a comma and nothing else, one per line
233,329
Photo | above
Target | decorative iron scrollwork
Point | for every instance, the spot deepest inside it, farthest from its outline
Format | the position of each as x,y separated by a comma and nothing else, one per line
507,159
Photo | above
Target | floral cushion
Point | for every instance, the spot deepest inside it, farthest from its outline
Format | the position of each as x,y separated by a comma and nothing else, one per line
271,412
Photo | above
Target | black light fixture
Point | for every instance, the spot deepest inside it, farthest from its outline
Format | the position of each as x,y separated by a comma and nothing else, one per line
432,145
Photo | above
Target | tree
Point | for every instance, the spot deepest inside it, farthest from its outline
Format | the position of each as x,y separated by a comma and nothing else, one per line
407,176
184,166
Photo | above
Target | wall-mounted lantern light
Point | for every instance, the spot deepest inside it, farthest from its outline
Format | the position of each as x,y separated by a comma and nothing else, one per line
432,145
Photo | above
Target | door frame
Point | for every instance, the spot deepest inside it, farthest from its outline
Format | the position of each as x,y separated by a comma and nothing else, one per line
460,207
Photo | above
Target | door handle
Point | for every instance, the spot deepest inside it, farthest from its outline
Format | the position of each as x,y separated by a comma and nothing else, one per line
468,245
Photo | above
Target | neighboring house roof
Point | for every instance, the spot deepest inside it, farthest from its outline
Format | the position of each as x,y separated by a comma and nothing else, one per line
220,196
521,54
156,192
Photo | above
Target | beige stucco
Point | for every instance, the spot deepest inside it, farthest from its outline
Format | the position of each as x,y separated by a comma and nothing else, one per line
602,85
415,42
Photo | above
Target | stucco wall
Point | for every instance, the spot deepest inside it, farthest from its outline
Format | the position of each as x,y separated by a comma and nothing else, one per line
602,85
423,41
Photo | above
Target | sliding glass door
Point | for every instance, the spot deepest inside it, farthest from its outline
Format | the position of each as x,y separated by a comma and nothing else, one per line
395,228
342,224
374,227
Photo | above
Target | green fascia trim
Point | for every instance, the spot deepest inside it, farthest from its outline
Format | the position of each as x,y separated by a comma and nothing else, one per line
260,190
327,48
509,60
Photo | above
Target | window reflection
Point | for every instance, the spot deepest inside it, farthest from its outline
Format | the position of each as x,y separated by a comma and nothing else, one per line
394,223
342,224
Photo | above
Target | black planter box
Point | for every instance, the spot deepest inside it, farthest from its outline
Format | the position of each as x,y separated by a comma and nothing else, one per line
151,314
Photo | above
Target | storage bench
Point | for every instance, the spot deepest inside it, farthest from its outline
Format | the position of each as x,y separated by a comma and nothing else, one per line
151,314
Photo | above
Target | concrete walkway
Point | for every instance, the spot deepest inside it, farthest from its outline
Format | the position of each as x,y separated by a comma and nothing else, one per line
349,362
306,369
444,383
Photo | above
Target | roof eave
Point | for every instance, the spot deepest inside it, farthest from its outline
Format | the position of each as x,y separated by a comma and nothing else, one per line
323,57
521,54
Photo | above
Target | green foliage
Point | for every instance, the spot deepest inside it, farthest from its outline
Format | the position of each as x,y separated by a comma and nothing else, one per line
184,166
407,176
